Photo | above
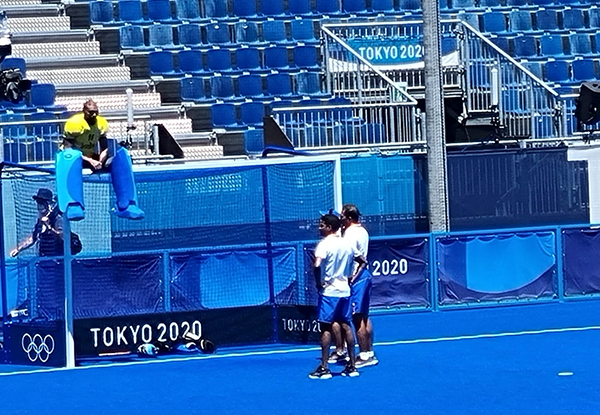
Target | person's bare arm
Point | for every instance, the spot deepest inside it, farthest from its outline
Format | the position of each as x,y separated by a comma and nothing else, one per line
362,264
317,273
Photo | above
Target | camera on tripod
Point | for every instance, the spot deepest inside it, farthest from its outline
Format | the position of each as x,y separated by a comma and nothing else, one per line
13,86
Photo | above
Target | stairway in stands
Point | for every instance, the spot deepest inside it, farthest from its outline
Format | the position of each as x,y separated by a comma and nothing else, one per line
72,60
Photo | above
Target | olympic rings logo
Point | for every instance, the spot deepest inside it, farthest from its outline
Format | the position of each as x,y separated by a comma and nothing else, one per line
38,347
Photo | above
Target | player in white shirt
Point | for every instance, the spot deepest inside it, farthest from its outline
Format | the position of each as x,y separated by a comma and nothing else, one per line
334,272
357,235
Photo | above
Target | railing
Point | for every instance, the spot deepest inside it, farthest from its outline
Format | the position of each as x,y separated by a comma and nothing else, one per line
377,67
37,141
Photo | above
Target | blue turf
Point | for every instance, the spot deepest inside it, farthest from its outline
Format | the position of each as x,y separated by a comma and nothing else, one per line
508,374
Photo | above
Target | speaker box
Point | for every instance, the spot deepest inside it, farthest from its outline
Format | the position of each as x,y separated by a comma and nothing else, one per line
587,109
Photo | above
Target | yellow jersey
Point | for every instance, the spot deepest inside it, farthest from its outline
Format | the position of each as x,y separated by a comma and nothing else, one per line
82,135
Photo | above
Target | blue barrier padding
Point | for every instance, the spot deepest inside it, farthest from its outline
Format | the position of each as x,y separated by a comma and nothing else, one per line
581,261
102,287
496,267
400,269
239,278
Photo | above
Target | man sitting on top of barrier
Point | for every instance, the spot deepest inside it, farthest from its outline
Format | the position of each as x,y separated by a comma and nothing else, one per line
83,133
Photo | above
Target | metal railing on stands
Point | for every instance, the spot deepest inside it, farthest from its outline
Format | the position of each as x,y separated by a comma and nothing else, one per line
368,108
374,71
525,106
37,141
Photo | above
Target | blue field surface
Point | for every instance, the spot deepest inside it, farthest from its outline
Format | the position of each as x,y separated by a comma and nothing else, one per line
532,359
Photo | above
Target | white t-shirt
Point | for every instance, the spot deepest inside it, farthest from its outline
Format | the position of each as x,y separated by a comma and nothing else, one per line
336,268
358,237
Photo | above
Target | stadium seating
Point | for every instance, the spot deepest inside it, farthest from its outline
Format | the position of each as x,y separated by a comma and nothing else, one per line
101,12
248,59
273,8
160,11
247,32
188,10
192,89
303,31
131,37
161,36
254,141
190,62
161,63
189,34
251,86
224,115
130,11
274,31
216,9
252,113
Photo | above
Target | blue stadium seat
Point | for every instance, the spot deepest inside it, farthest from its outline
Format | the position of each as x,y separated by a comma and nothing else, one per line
248,59
101,12
44,150
224,115
300,8
306,57
383,6
354,6
192,89
490,4
516,3
584,70
279,84
43,95
251,86
573,19
580,44
246,32
160,11
525,46
188,10
276,57
596,37
504,43
131,37
160,63
308,83
245,9
328,7
470,18
494,22
190,62
303,31
547,20
254,142
272,8
409,5
161,36
189,34
463,4
11,62
544,3
222,87
552,45
216,9
252,113
274,31
594,17
218,60
557,71
535,67
130,11
218,34
520,21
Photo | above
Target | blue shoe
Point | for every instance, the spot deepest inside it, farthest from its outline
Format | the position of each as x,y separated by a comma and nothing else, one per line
74,213
132,212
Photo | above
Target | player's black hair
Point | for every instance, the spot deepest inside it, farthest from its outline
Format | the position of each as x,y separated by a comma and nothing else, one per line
331,220
350,211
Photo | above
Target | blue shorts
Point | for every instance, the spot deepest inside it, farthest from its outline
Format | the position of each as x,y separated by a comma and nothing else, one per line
334,309
361,293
